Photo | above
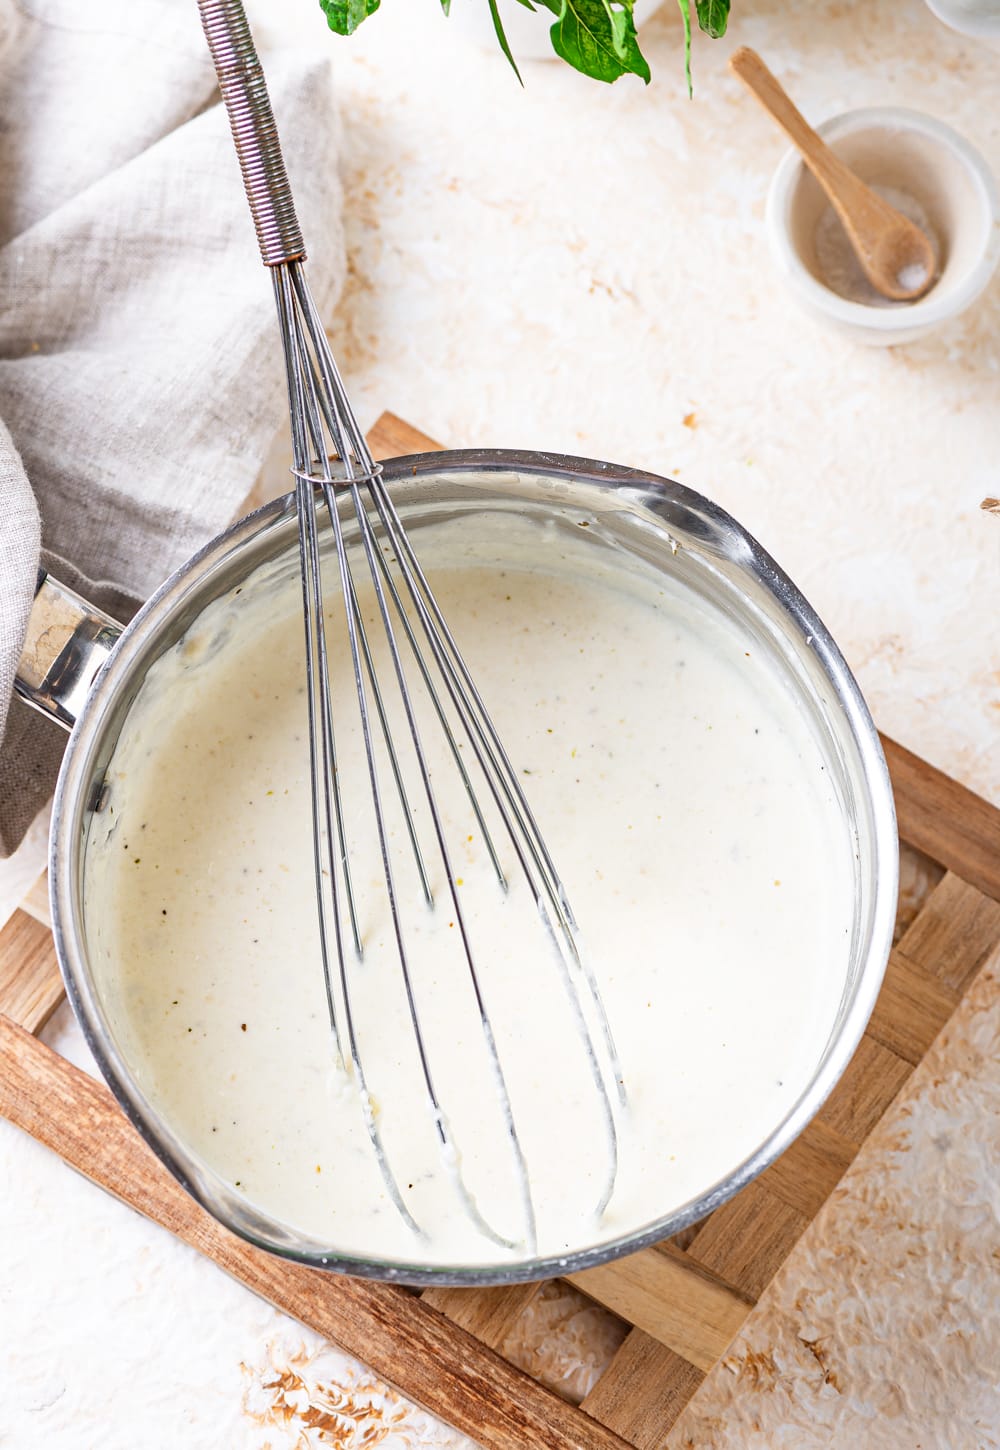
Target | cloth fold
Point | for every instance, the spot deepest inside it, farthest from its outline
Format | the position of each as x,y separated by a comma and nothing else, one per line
141,380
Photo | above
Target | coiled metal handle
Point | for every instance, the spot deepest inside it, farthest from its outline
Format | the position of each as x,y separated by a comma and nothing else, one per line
255,135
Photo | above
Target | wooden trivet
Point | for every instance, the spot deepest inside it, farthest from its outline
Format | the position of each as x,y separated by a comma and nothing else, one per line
684,1304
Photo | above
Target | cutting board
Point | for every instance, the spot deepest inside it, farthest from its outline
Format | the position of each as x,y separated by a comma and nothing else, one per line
683,1301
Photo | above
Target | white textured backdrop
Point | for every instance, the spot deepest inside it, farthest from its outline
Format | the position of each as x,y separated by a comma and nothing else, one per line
585,270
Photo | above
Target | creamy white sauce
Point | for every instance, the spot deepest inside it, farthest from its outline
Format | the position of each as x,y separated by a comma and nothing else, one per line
695,827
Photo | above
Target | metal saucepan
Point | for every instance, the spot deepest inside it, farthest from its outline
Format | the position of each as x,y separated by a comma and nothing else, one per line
82,668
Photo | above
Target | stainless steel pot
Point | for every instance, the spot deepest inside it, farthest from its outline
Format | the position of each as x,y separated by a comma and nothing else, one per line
75,668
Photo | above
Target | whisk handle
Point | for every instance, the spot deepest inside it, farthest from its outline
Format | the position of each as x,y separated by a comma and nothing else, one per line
255,135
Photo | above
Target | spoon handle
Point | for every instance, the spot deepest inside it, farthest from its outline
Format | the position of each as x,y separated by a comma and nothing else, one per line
825,165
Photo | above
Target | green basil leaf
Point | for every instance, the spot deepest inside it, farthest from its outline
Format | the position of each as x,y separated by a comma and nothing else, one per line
598,38
502,38
344,16
685,9
713,17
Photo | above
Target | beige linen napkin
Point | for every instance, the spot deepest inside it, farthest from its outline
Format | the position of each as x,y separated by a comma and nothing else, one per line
140,372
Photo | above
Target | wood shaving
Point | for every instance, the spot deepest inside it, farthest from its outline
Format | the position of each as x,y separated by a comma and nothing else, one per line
306,1399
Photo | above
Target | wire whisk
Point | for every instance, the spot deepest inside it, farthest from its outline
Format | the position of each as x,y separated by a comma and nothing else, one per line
338,480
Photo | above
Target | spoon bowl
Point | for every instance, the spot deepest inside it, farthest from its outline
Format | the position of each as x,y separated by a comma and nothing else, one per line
903,258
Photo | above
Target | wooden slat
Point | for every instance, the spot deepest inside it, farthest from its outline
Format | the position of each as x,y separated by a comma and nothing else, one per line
957,929
912,1007
643,1391
747,1240
868,1085
918,876
404,1340
30,985
806,1173
36,903
945,820
663,1292
392,438
489,1314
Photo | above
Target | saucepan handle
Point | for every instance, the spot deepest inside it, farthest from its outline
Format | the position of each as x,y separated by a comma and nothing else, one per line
67,642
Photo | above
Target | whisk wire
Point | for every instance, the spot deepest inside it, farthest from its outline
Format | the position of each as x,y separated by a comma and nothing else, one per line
507,775
348,440
371,551
316,767
326,807
435,699
364,1094
359,649
320,393
499,770
315,613
330,377
520,827
317,407
407,812
310,546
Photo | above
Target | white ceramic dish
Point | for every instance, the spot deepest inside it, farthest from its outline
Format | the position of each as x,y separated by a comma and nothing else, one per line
979,18
908,152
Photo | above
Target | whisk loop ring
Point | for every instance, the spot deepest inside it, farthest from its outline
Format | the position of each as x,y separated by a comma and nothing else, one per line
321,481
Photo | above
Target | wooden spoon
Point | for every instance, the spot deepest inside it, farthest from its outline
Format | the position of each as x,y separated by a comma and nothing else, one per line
894,253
